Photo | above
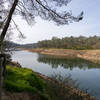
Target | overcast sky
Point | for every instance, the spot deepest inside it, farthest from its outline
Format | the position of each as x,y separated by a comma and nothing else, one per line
41,30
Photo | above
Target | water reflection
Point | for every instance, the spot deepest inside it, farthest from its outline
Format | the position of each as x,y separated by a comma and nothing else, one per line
70,63
86,73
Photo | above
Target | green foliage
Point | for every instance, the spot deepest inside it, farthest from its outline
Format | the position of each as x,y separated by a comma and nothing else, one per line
78,43
22,79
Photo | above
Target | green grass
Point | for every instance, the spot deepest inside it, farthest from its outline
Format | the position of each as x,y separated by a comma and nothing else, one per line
23,79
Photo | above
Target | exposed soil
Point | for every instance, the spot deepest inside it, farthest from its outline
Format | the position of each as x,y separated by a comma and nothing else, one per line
19,96
91,55
72,91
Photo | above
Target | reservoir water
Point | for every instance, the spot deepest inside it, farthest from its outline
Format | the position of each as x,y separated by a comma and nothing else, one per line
85,72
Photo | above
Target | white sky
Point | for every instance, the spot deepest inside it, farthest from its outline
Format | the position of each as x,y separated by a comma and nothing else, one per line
41,30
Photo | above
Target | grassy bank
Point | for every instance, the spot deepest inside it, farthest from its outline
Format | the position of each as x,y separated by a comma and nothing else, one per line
91,55
24,80
24,84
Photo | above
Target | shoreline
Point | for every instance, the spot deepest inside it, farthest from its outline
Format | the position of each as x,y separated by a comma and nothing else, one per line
90,55
72,90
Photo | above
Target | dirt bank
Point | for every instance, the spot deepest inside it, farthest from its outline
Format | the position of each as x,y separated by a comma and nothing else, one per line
19,96
73,92
91,55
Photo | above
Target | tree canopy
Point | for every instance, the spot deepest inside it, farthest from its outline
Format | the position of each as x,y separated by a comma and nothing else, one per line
46,9
29,9
80,42
54,10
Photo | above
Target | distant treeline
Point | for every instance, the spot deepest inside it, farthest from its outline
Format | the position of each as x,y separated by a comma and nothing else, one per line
80,43
10,44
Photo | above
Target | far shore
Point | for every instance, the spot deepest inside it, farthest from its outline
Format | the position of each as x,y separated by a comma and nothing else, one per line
91,55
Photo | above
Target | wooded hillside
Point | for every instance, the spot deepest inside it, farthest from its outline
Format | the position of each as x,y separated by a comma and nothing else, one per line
80,42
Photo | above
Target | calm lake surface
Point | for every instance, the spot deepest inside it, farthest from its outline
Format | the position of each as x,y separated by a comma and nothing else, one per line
86,73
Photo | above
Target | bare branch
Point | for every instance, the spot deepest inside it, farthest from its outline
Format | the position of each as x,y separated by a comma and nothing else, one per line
21,35
2,36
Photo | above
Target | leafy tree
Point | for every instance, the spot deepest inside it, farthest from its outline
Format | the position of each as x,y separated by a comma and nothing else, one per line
79,43
29,9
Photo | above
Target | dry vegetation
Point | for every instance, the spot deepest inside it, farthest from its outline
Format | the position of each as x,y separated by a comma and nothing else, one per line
91,55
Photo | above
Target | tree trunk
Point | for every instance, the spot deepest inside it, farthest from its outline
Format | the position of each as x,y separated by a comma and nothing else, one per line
8,21
2,36
0,78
